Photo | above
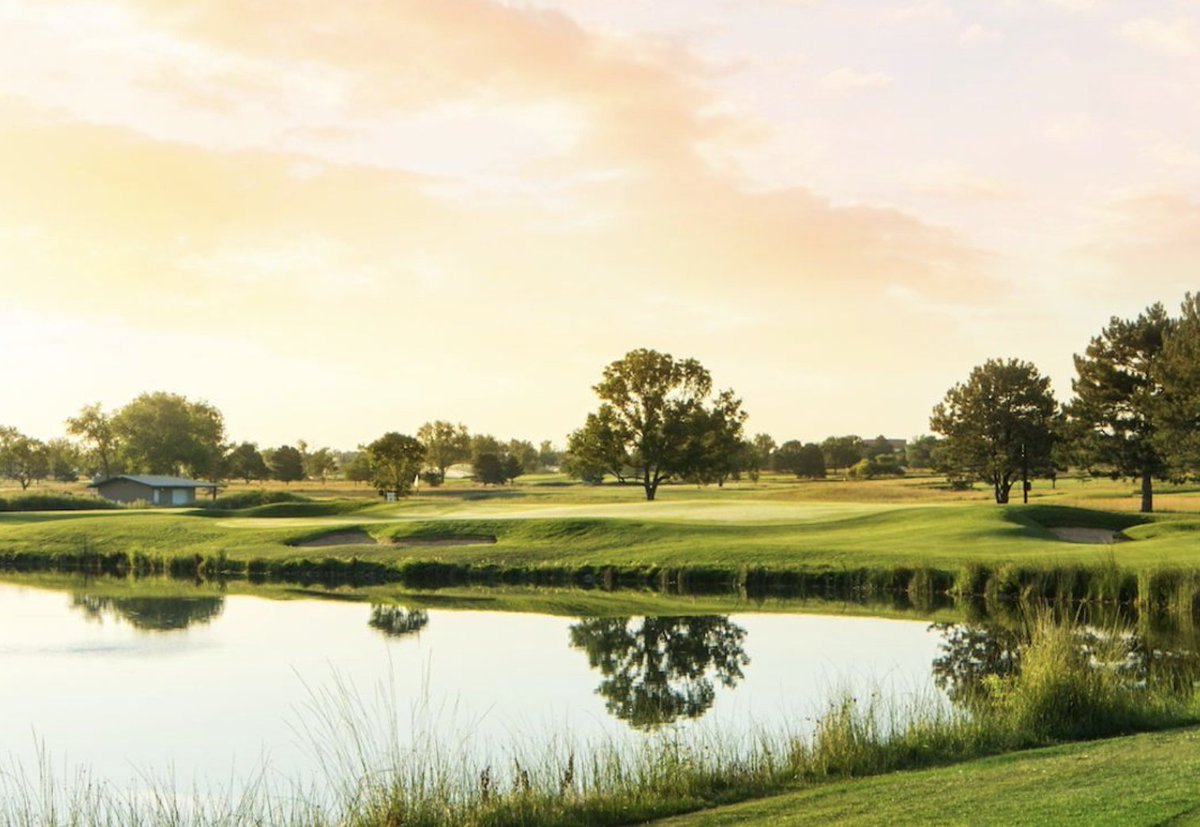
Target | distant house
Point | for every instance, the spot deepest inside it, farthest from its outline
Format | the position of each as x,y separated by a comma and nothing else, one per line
128,488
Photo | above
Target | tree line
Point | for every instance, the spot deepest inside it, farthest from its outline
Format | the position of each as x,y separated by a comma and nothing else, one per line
169,434
1134,413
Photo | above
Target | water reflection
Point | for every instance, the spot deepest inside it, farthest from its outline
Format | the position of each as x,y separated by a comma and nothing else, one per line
397,621
660,669
972,656
158,614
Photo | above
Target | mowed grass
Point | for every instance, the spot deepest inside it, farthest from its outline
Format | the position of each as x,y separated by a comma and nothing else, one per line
1141,779
778,524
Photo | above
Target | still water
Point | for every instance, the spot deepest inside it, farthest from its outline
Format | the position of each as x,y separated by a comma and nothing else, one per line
212,688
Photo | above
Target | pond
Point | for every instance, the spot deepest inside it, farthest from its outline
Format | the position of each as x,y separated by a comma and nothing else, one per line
208,688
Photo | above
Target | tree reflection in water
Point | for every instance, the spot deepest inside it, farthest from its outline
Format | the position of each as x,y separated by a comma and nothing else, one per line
397,621
657,669
158,614
972,655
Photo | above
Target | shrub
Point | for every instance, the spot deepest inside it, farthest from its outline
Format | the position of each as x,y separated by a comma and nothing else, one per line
54,502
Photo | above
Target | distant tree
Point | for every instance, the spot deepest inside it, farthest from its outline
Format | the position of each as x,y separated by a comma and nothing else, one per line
1176,416
319,464
548,456
512,467
586,470
754,456
488,469
654,409
918,453
445,444
396,460
786,457
244,462
1116,395
286,464
879,446
63,460
164,433
358,466
842,451
485,444
1001,417
22,458
95,428
524,453
810,462
715,449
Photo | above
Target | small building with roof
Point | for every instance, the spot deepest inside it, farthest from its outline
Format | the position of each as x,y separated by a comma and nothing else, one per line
156,490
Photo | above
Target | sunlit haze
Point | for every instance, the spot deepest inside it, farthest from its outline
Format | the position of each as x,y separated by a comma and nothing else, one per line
335,219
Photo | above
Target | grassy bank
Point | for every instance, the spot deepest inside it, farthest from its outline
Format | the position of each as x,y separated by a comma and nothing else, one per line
694,543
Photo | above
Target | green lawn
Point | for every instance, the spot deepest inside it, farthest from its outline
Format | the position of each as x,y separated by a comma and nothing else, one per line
1142,779
774,526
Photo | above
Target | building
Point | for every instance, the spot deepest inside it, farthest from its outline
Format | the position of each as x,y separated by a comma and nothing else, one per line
128,488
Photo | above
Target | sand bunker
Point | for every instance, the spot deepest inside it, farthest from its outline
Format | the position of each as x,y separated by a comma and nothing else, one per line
1094,536
339,538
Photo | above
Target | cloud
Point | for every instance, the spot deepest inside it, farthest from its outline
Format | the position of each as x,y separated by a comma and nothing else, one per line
846,79
978,33
1175,38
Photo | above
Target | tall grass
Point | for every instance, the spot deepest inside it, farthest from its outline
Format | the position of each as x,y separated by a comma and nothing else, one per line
1074,682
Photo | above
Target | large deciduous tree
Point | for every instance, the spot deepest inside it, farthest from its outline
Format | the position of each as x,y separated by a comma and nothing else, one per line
997,422
95,428
165,433
22,458
1116,394
396,460
445,444
654,421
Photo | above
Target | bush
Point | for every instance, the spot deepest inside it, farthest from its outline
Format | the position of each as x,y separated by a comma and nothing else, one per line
54,502
884,465
257,497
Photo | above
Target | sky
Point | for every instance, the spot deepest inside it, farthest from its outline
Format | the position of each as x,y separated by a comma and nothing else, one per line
332,220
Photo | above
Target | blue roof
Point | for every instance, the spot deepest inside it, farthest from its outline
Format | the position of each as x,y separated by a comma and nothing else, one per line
156,481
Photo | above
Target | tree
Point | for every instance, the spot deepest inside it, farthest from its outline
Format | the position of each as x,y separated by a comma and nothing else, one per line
1176,416
164,433
396,460
524,454
879,446
758,455
1116,393
996,423
22,458
357,466
319,464
286,464
549,456
496,469
653,421
787,457
244,462
842,451
810,461
63,460
95,428
918,453
445,445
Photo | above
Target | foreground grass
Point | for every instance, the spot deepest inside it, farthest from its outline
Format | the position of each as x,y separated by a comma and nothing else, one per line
1141,779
